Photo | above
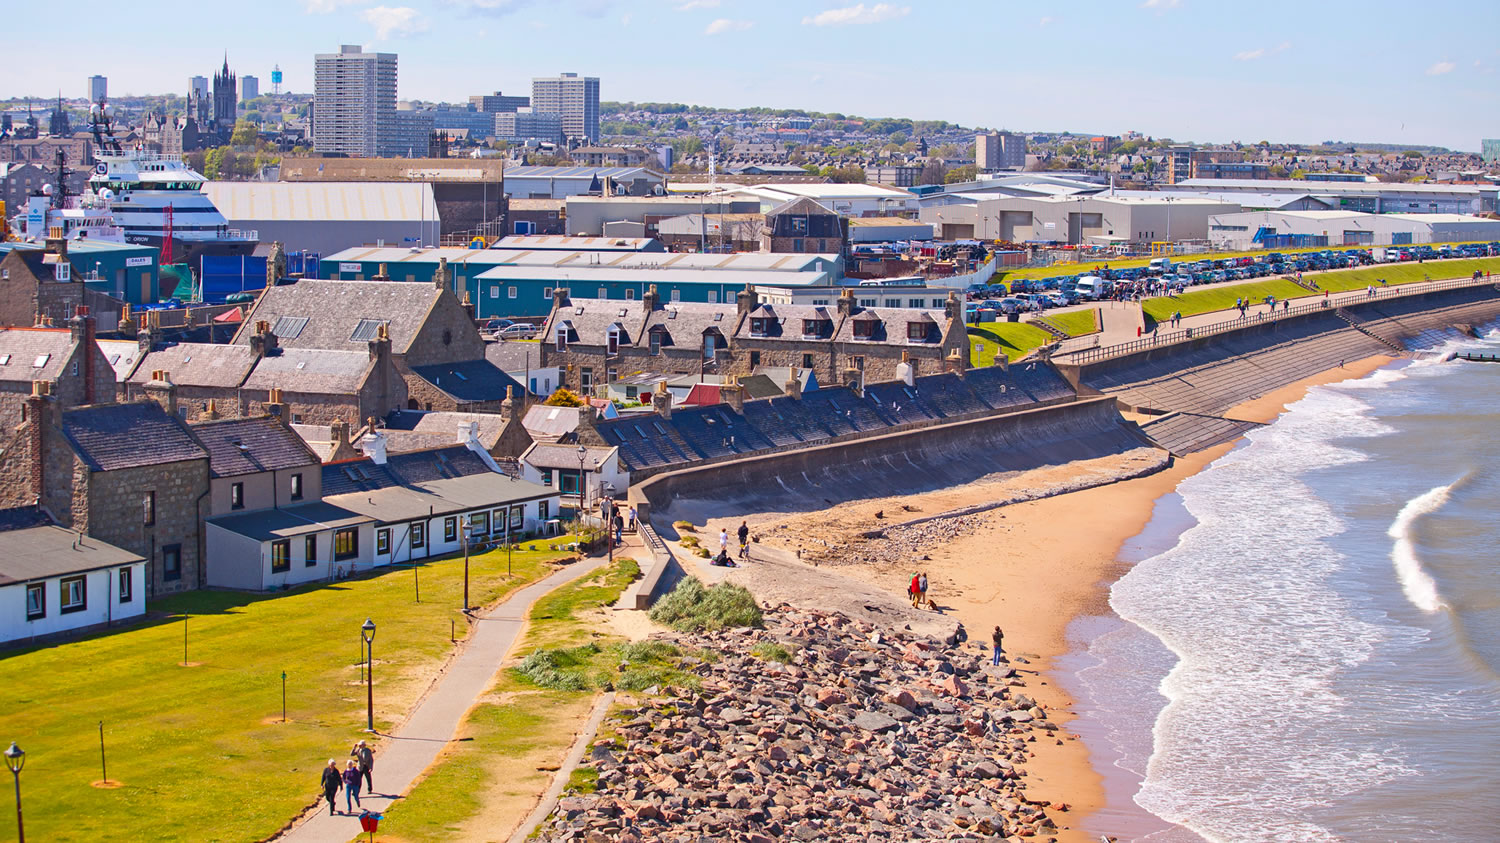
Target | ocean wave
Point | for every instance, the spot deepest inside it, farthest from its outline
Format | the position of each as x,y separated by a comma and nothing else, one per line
1418,585
1255,738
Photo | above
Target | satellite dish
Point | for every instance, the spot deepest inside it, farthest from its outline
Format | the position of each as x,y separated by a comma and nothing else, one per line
46,190
106,194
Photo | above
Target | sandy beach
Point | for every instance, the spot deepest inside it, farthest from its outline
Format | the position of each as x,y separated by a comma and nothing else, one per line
1029,567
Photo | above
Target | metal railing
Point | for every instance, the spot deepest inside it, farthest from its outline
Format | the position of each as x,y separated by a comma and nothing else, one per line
1159,339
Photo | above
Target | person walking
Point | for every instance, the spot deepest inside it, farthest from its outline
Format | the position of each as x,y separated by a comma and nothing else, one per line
365,758
744,534
619,527
724,542
631,524
923,583
997,638
351,787
914,591
332,781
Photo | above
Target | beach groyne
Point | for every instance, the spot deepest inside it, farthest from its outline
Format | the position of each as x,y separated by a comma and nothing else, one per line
908,462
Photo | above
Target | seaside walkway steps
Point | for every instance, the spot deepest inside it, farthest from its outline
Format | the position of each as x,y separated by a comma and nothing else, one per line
1181,434
1364,328
412,746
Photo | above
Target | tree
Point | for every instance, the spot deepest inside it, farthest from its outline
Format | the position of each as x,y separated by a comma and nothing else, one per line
846,175
967,172
564,397
244,134
1411,153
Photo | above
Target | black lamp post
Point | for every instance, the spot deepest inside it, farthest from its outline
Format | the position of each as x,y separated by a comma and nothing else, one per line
367,632
15,759
582,485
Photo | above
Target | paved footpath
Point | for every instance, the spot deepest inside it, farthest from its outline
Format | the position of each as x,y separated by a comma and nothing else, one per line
416,743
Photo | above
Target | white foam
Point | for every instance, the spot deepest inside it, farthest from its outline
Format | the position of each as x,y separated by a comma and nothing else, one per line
1255,738
1418,585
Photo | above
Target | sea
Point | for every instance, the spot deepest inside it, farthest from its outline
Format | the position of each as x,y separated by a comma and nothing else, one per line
1306,645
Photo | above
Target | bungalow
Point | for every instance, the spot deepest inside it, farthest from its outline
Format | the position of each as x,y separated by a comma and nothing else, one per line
54,580
559,467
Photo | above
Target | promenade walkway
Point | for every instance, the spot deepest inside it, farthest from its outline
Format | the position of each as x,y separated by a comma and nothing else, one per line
416,743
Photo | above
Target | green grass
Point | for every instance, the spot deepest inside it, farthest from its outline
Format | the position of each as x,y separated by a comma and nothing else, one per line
1401,273
519,716
771,652
691,607
1161,308
1014,339
199,750
1074,323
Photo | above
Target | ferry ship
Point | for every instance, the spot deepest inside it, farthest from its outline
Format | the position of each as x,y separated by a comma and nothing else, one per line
152,193
78,217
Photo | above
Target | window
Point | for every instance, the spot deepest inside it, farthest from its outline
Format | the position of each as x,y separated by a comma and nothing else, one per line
916,331
812,327
614,341
799,225
797,244
866,302
586,378
610,375
754,359
366,330
450,529
127,585
546,292
36,601
518,515
760,326
383,541
916,302
497,520
713,298
281,556
148,509
630,295
511,292
656,342
345,544
495,292
296,487
479,523
419,534
546,477
562,338
237,496
864,329
289,327
603,293
310,552
74,370
541,511
857,362
171,562
892,302
676,295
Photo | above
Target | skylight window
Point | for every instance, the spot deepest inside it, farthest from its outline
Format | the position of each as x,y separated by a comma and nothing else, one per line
40,361
289,327
5,359
366,330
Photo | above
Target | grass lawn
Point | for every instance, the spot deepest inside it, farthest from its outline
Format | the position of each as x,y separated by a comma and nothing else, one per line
1014,339
1074,323
1401,273
519,732
200,750
1192,302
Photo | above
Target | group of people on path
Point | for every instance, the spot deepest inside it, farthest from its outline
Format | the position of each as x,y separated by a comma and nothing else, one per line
358,769
616,518
743,533
917,591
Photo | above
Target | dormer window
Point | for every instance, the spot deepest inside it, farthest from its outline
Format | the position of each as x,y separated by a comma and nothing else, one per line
864,329
760,326
916,331
656,341
614,340
812,327
562,338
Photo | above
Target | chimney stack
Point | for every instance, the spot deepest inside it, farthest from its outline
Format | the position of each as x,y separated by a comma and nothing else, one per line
82,325
954,307
262,342
733,394
161,390
846,302
381,345
793,385
559,298
508,406
127,322
747,300
373,444
338,442
39,409
651,299
661,401
276,406
57,244
149,332
210,411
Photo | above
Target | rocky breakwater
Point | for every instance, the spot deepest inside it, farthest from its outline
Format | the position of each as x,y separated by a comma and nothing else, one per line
818,727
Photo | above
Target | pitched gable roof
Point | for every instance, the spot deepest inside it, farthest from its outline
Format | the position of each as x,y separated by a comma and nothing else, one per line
363,475
198,364
333,311
115,436
311,372
21,349
249,446
469,380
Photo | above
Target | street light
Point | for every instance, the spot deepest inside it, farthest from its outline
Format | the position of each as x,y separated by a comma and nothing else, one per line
15,759
583,452
366,632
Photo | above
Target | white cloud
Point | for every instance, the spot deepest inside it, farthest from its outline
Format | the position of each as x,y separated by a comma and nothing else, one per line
690,5
394,20
1440,68
1045,21
858,14
1161,5
491,7
723,25
1250,55
323,7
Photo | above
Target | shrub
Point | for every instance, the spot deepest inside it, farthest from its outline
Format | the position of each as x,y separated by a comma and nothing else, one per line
560,670
692,608
684,527
703,552
771,652
564,398
689,541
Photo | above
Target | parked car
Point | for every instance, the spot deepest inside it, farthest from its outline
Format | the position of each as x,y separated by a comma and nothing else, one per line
516,331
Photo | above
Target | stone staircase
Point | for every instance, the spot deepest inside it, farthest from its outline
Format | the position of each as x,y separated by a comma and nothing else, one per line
1359,325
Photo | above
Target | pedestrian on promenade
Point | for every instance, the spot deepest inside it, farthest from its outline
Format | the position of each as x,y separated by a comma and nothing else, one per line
365,758
619,527
998,639
724,542
923,584
351,787
744,534
331,783
631,524
914,591
1286,305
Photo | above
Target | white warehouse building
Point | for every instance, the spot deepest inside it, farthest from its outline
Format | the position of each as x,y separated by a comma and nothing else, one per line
1344,228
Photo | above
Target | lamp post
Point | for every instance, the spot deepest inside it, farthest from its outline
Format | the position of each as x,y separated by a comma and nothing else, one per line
464,522
367,633
15,759
583,452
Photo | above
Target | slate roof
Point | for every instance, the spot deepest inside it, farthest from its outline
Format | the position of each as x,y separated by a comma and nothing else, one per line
589,320
469,380
789,319
513,355
249,446
114,436
891,327
198,364
363,475
21,348
333,310
35,553
122,356
544,422
685,329
542,455
311,372
21,517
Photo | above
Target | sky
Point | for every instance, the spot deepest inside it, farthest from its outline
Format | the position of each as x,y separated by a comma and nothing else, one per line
1199,70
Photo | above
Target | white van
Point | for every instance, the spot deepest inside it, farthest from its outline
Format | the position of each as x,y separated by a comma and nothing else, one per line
1159,266
1093,287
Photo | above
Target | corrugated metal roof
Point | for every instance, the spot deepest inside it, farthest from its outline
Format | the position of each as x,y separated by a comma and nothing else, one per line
323,201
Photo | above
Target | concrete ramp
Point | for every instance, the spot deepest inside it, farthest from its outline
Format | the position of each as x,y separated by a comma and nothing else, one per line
1187,433
904,463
